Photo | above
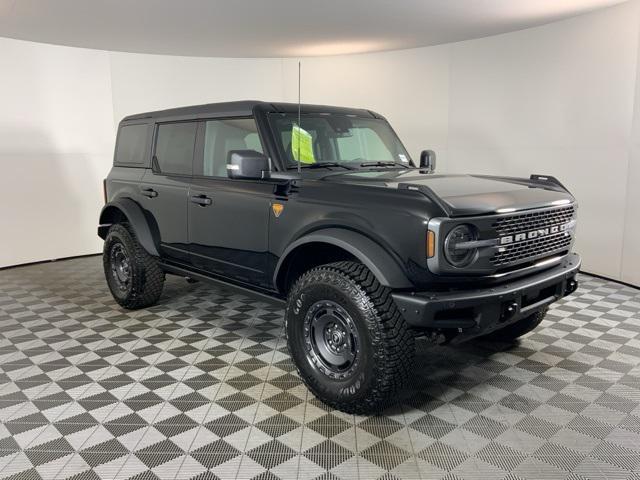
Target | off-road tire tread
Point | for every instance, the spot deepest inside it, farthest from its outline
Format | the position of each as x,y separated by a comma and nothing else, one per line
148,277
394,342
519,328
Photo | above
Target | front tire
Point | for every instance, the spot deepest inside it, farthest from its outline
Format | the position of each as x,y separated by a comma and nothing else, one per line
134,277
352,347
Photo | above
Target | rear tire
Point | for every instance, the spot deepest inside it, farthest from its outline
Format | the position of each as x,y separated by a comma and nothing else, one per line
519,328
134,277
352,347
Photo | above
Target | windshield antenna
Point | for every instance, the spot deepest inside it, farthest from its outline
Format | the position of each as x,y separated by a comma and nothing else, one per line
299,126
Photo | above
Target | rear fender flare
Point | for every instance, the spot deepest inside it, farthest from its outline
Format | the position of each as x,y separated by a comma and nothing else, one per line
136,219
381,263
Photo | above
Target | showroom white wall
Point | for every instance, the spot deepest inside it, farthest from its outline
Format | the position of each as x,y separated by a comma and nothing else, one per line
631,246
143,83
557,99
56,142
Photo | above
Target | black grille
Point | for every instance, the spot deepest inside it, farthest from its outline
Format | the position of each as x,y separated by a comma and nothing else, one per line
531,248
530,221
536,247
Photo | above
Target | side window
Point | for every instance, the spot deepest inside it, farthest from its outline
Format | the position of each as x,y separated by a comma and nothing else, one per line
222,136
174,147
132,144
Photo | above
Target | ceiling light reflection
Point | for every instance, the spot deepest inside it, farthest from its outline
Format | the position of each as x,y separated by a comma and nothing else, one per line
337,48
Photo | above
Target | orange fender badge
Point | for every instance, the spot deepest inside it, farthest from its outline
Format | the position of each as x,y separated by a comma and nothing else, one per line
277,209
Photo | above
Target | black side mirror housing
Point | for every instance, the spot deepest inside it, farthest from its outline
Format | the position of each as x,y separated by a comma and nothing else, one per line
248,164
428,160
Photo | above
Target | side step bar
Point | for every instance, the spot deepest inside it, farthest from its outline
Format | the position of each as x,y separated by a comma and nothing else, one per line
183,272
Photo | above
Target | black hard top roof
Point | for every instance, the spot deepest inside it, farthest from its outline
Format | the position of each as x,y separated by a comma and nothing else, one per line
244,108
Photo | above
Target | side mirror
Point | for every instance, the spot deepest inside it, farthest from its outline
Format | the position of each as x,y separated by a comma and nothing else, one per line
248,164
428,160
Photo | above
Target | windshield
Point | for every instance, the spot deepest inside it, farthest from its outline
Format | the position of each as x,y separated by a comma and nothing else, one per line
338,139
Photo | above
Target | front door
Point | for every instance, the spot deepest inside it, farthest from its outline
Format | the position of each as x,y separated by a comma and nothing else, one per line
164,190
228,218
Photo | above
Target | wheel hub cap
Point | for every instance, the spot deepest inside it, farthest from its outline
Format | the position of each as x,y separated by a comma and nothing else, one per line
120,266
335,337
331,339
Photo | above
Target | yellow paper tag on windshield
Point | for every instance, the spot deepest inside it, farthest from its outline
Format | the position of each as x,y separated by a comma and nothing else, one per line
302,145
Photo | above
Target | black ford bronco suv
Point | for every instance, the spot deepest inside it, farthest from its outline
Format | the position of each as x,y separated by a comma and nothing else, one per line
324,207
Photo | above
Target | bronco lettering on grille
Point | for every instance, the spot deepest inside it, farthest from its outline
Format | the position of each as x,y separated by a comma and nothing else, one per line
540,232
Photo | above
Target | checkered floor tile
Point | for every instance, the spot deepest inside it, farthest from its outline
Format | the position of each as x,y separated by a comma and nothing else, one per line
201,386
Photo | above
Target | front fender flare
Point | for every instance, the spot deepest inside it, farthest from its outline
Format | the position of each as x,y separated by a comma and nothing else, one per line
381,263
136,219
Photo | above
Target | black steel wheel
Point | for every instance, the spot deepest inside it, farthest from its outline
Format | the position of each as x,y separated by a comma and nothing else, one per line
134,277
331,338
348,340
120,264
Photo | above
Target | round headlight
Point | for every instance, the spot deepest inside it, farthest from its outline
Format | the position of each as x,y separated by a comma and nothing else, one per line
460,257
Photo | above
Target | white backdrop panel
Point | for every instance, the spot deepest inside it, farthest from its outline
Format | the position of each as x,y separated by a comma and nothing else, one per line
56,144
143,83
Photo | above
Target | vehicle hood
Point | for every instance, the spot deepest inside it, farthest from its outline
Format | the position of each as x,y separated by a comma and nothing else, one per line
462,195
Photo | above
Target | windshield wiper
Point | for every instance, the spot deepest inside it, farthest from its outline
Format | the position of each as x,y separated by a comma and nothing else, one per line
383,164
320,165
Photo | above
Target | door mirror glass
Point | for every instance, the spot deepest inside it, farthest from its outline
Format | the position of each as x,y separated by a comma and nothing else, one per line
428,160
248,164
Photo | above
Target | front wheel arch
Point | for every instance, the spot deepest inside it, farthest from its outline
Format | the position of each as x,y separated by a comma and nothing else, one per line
352,245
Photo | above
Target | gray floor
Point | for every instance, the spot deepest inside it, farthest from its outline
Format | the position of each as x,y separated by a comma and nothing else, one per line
201,386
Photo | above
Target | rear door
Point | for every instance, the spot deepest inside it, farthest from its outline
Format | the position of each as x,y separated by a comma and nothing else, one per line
228,218
164,189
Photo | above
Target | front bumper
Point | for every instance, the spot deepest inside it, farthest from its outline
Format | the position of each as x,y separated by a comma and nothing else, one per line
472,312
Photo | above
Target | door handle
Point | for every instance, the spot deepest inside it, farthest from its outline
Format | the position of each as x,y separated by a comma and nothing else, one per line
201,200
149,192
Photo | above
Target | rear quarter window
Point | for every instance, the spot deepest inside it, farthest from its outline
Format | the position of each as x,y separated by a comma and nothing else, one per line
175,144
131,146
